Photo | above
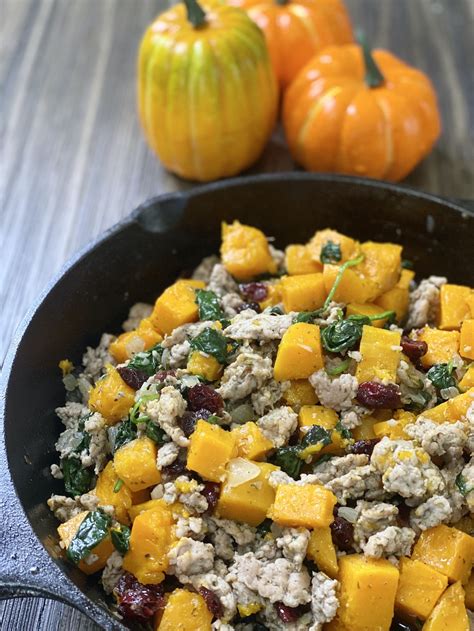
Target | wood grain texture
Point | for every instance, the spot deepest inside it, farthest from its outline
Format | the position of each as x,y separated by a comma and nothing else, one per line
74,162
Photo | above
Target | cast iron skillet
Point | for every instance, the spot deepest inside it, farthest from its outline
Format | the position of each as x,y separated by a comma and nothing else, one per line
134,261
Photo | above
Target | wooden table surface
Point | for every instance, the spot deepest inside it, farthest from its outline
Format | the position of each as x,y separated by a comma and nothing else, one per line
74,161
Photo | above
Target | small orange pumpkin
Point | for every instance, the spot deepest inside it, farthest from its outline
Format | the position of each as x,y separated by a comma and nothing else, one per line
350,112
296,30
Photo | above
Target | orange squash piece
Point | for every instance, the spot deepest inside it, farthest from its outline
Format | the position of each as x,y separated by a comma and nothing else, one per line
245,252
419,588
111,492
112,397
176,306
298,260
453,306
450,613
299,352
184,611
309,506
305,292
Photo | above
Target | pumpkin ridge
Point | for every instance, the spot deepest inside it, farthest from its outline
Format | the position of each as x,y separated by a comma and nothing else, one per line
383,106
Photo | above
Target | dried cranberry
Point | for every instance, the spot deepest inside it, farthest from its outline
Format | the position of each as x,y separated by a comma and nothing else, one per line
136,601
248,305
132,377
211,492
202,396
212,601
254,292
342,533
287,614
178,467
403,513
162,374
377,395
364,446
189,419
414,349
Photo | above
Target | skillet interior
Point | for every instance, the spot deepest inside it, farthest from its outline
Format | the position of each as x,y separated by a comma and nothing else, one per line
137,259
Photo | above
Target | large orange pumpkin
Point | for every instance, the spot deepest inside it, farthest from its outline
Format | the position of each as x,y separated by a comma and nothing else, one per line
350,112
296,30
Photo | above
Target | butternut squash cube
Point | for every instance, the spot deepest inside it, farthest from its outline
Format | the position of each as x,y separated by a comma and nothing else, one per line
365,431
419,588
447,550
309,505
184,611
249,501
355,308
352,288
442,346
381,353
299,353
132,342
450,613
466,342
101,552
367,594
210,449
135,464
245,252
137,509
251,443
109,495
349,247
470,303
452,410
382,264
406,276
298,260
300,392
453,306
205,366
304,292
321,550
394,427
112,397
468,380
273,295
150,541
469,589
395,299
176,306
324,417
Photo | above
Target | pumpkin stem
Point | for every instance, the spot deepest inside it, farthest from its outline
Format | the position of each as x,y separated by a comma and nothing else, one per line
196,15
281,2
373,77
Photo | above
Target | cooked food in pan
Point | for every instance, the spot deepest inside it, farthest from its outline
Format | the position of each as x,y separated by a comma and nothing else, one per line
282,441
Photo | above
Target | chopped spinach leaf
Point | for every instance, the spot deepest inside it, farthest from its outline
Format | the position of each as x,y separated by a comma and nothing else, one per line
273,311
92,530
264,527
343,431
462,485
209,305
339,369
126,432
441,376
121,538
155,433
330,252
314,440
343,335
406,264
308,316
287,458
86,437
323,458
148,362
211,342
77,479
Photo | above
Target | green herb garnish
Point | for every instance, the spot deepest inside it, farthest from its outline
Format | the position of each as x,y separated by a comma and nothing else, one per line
441,376
92,530
121,538
118,485
209,305
291,459
155,432
211,342
77,479
339,369
462,485
308,316
148,362
340,274
330,252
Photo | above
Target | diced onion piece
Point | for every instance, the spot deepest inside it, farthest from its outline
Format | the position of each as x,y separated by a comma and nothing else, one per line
347,513
240,471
